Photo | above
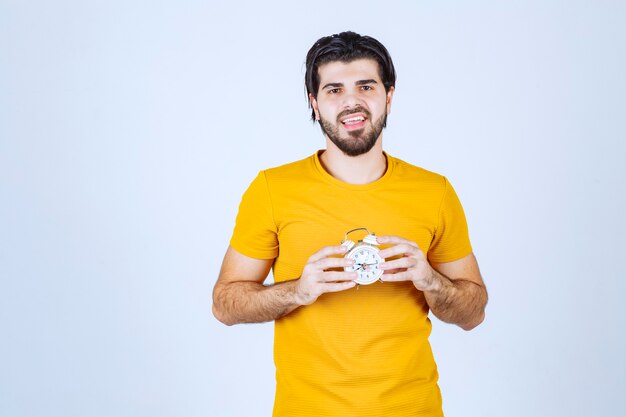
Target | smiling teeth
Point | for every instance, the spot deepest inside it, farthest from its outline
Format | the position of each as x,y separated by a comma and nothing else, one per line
354,119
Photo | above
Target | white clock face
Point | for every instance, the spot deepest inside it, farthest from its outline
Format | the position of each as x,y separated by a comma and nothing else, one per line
366,264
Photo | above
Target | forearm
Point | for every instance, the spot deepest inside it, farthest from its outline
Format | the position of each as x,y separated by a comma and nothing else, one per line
252,302
459,301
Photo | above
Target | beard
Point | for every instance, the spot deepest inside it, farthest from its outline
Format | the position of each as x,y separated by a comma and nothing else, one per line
355,142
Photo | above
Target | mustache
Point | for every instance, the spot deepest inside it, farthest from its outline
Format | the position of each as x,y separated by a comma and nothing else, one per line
357,109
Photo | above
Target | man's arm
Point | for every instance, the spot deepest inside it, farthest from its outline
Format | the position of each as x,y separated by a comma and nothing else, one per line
459,295
454,291
239,295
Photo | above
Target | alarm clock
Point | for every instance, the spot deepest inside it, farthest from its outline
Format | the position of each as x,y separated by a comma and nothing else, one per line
365,254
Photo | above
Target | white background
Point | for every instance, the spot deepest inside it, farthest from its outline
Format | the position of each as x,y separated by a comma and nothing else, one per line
129,131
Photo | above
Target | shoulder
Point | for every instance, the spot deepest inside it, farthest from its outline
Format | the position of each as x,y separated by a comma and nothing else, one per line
292,171
404,171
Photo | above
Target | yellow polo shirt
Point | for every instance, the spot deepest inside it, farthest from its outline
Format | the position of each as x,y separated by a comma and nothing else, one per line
358,352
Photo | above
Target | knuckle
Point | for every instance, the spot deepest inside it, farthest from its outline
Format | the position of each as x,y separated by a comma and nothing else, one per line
321,263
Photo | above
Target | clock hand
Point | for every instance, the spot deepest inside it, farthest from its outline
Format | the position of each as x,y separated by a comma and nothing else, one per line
360,266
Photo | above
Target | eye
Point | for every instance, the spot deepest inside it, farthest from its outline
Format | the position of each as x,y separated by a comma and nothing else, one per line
334,91
366,88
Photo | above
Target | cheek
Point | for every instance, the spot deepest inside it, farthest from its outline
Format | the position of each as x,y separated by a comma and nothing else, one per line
326,112
327,105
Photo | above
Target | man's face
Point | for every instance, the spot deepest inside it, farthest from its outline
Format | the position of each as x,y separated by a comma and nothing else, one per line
352,104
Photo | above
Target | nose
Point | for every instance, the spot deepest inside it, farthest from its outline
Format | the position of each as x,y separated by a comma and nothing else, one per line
351,99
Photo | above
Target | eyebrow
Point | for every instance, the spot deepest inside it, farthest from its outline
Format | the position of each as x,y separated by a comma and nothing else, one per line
360,82
332,85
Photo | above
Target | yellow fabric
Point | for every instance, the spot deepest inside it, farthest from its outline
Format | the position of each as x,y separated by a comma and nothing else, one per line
359,352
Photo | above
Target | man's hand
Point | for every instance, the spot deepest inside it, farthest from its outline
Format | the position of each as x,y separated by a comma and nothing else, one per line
239,295
412,266
319,278
454,291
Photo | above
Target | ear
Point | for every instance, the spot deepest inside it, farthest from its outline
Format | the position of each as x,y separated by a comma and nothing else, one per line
313,102
390,98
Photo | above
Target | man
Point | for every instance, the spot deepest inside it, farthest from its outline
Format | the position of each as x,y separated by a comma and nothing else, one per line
341,350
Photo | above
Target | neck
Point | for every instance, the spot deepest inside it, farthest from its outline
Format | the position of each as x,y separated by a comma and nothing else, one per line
362,169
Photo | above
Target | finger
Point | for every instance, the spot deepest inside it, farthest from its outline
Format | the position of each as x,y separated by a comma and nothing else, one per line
336,287
327,251
327,263
405,262
332,276
398,276
393,271
393,240
399,249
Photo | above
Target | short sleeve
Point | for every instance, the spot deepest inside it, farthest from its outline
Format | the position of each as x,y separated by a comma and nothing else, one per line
451,240
255,233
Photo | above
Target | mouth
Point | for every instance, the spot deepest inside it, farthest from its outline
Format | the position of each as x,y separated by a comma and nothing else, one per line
354,121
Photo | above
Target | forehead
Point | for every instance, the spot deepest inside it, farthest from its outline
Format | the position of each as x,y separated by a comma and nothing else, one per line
349,72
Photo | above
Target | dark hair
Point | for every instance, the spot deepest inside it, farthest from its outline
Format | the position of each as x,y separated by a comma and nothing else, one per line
346,47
